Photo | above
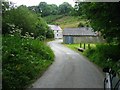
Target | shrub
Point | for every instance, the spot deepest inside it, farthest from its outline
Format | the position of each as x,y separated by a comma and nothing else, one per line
50,34
25,20
81,25
105,56
24,59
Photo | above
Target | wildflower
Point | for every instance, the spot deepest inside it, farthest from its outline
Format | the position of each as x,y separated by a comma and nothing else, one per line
27,33
11,35
32,33
31,56
27,42
22,44
11,31
32,37
12,55
19,31
31,61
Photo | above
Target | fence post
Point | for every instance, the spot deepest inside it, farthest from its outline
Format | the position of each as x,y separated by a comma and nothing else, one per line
88,46
84,45
80,45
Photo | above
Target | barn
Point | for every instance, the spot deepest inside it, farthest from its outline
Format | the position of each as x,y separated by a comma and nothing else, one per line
57,31
81,35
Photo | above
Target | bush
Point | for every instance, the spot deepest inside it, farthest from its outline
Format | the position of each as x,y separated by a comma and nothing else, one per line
50,34
81,25
24,59
105,56
25,20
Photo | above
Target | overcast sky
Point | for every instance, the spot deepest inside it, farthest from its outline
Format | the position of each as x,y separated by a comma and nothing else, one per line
36,2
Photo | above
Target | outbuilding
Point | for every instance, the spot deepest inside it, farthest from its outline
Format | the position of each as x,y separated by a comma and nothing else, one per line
57,31
81,35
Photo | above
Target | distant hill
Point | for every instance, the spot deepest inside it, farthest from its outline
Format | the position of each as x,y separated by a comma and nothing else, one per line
64,21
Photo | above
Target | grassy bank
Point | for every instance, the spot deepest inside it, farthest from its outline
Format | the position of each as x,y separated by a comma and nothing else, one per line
50,19
68,21
24,60
105,55
64,21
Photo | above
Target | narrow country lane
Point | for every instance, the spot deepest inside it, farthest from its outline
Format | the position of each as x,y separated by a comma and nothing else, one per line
70,70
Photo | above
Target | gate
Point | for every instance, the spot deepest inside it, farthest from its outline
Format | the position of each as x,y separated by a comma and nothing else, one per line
68,39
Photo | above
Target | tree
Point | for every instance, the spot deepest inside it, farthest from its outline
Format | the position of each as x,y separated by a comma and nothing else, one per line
27,21
104,17
50,34
54,9
65,8
44,9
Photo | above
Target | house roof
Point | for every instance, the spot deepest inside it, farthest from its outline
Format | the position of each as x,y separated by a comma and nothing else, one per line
79,31
54,27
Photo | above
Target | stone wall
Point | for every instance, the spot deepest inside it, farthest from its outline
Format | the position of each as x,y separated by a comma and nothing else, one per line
86,39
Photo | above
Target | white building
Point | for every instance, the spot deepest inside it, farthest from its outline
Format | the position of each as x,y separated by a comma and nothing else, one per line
57,31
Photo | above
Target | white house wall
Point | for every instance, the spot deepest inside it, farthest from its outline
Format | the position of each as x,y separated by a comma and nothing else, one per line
57,31
58,34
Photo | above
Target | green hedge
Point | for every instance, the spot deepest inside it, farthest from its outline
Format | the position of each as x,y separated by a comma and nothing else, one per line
105,56
23,60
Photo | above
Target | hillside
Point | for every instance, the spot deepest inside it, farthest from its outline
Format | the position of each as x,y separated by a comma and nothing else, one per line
64,21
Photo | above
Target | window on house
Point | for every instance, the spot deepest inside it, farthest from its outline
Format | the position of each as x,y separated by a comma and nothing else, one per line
57,34
57,30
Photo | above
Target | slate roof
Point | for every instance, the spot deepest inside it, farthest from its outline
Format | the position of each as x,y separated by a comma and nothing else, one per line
83,31
55,27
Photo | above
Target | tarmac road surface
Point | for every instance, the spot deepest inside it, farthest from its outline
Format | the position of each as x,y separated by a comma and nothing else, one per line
69,70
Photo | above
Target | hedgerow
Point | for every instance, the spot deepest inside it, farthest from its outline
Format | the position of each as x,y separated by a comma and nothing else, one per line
105,56
23,59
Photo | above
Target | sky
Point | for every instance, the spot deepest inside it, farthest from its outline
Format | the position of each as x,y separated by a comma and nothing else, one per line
36,2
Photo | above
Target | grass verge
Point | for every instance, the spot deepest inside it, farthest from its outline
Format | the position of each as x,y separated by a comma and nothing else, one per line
76,46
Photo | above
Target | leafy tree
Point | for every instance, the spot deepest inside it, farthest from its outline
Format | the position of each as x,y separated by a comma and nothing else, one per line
25,20
104,17
50,34
54,9
78,8
44,9
33,8
65,8
51,9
